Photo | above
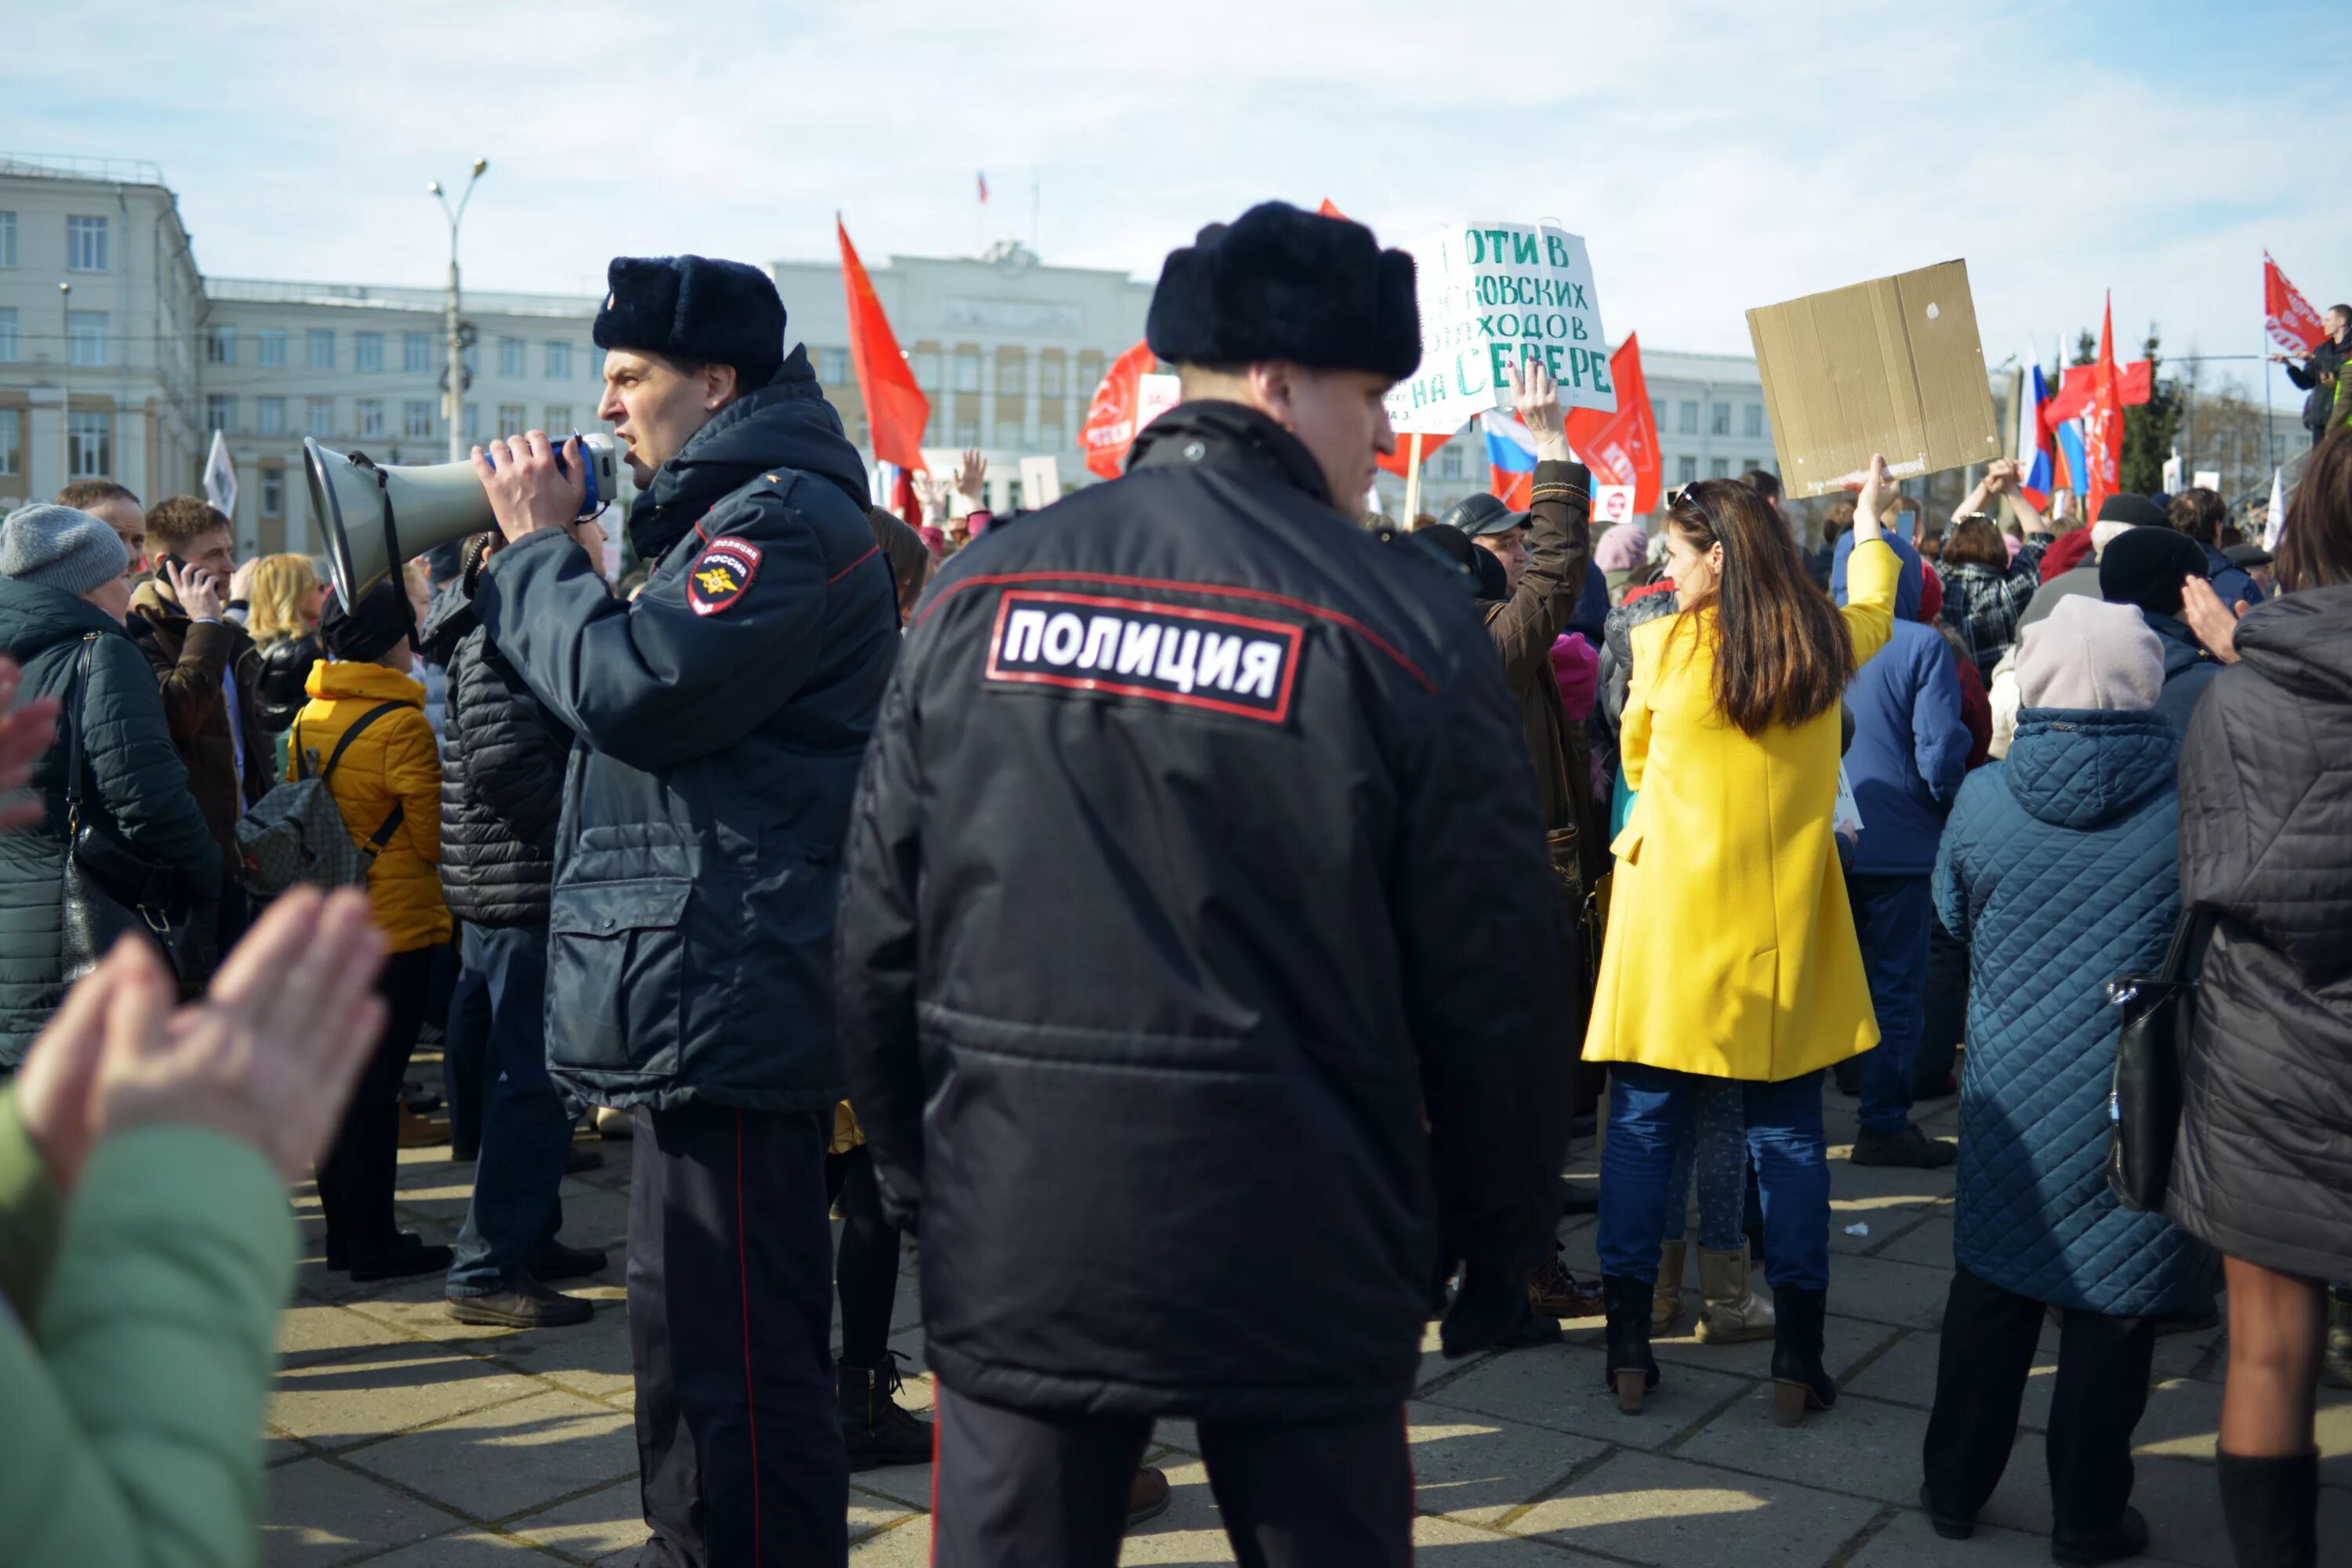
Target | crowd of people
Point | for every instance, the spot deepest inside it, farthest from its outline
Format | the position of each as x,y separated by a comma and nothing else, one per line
1196,916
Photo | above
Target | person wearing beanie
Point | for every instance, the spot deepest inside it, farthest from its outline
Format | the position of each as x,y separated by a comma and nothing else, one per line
1619,552
721,716
2080,576
366,717
2060,868
1083,704
2145,568
62,599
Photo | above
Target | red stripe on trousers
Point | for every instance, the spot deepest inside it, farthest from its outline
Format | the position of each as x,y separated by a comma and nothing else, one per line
751,1401
938,1419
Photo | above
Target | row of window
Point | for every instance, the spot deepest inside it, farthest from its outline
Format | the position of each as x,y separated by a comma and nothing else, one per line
90,443
419,418
421,354
89,338
87,250
1718,421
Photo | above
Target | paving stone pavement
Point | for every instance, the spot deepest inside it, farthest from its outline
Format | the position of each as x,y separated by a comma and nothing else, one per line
401,1438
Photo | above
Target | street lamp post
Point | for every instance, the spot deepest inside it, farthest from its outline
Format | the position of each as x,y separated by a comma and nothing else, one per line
65,383
455,403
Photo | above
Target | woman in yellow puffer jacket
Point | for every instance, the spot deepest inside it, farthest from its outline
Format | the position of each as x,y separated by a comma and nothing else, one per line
387,783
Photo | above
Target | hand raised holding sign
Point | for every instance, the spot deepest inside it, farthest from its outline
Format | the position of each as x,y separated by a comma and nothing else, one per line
1879,496
1534,395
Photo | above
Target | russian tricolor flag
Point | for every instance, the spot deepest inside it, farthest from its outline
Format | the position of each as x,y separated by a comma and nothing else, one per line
1510,460
2038,473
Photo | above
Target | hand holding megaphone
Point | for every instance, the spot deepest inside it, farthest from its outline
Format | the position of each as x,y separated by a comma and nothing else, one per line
531,484
373,516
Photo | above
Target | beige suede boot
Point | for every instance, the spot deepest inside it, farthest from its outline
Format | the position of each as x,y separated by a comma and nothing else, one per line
1729,1312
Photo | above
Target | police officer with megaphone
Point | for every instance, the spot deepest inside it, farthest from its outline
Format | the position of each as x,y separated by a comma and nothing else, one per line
721,716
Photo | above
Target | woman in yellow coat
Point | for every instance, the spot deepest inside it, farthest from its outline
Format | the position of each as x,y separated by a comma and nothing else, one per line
1731,951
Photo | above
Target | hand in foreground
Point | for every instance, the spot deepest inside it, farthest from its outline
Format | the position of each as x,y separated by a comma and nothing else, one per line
527,492
2215,624
1534,396
1879,495
971,479
197,589
25,733
268,1057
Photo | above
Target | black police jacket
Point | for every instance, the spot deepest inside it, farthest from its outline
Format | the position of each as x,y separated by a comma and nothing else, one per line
720,719
1196,861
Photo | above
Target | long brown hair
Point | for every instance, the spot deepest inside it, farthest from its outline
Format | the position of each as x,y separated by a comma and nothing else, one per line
2316,547
1975,542
1782,655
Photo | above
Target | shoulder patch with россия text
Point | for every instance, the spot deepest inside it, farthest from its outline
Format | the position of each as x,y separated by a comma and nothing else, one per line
721,574
1182,654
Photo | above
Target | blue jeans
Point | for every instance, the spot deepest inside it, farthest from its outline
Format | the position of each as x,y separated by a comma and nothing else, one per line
525,1133
1650,1116
1893,916
465,1050
1717,1152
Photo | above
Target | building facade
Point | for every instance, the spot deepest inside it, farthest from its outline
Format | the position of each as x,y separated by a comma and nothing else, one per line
99,299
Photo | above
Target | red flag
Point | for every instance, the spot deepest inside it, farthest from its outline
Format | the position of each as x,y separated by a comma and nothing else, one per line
2103,426
1400,462
2293,325
2136,380
896,409
1110,429
1622,449
906,502
1327,210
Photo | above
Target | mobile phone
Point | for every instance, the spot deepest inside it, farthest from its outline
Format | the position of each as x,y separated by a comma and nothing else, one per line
171,563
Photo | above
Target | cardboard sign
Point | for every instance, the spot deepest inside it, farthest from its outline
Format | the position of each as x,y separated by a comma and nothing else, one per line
1612,504
1491,293
1041,482
1891,367
2209,479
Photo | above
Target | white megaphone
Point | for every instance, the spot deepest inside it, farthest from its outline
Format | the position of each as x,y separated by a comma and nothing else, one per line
376,517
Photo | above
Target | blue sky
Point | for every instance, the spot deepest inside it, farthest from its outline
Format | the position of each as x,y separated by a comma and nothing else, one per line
1716,157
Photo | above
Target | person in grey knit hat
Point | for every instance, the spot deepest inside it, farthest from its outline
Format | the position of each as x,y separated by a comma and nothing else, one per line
2087,653
70,551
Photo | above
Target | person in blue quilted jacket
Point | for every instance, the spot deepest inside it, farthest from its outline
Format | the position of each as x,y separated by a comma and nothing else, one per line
2060,868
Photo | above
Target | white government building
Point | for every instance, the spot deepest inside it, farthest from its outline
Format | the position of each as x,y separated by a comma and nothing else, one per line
118,358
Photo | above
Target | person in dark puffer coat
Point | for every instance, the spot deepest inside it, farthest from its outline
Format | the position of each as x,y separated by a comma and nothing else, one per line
2264,1171
503,756
2058,869
61,582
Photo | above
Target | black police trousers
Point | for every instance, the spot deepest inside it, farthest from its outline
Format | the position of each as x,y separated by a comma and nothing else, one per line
1013,1487
730,1307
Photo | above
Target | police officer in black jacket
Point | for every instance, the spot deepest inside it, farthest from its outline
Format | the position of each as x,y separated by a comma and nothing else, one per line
720,719
1195,863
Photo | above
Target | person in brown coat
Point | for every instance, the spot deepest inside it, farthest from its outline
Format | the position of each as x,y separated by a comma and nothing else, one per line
1544,552
206,665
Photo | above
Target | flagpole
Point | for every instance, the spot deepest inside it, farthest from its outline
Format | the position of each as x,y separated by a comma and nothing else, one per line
2270,425
1413,481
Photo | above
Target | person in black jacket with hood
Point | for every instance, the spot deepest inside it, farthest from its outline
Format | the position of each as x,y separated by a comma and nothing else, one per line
720,717
1195,862
502,761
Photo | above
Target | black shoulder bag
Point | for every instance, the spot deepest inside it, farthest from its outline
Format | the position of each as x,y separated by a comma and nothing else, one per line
110,888
2151,1050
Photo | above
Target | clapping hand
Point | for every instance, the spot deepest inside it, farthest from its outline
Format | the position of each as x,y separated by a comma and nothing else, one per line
2215,624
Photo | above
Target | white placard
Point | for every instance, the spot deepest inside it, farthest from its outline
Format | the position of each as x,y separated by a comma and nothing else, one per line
2209,479
1490,293
1041,482
1155,395
1612,504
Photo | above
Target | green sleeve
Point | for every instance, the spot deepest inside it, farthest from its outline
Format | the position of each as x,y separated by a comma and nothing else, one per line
30,1208
134,1405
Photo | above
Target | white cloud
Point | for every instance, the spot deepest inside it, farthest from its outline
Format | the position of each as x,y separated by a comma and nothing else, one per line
1714,157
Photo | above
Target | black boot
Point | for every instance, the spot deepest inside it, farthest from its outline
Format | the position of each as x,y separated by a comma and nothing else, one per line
1800,1381
875,1430
2336,1370
2271,1507
1632,1371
